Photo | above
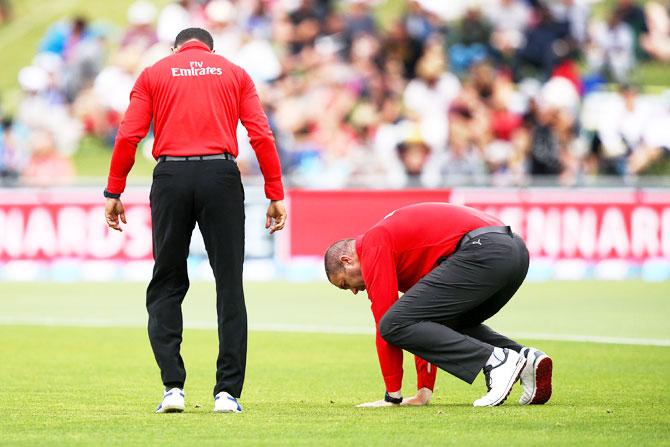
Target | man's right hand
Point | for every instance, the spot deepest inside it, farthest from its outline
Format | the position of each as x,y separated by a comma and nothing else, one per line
390,400
377,403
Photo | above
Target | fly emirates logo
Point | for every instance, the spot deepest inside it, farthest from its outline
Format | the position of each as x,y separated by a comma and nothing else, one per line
196,69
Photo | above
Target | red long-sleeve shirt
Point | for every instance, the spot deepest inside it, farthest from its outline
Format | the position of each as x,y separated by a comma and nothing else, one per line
195,98
400,250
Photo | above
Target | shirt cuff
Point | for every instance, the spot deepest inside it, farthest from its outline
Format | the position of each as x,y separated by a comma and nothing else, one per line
426,381
274,190
116,185
393,383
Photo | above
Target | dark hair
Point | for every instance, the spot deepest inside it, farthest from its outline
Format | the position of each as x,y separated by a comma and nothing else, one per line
331,259
194,33
79,24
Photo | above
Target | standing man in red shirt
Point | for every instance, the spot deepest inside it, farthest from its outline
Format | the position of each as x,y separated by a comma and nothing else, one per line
457,267
196,99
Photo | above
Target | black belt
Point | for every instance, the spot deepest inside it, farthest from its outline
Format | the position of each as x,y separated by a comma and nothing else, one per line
224,156
483,230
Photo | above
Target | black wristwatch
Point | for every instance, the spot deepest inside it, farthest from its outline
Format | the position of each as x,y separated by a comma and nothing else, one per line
111,195
393,400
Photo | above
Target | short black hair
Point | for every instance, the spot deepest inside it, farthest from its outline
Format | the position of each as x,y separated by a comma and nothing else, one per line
331,258
194,33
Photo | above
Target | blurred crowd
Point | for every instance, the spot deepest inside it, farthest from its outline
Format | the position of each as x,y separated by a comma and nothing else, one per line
446,93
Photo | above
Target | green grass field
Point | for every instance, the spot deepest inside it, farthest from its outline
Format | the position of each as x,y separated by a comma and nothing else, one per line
77,370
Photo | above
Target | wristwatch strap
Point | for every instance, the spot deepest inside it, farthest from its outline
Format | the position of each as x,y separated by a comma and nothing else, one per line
393,400
111,195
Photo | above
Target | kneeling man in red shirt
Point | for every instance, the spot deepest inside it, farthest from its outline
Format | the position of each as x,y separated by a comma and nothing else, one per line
457,267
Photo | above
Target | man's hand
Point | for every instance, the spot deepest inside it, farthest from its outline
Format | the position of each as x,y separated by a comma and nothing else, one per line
113,210
422,397
390,400
377,403
275,218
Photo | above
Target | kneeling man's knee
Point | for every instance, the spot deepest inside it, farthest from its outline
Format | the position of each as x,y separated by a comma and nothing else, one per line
388,327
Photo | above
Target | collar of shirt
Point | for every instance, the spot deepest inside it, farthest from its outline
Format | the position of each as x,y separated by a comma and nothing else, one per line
193,45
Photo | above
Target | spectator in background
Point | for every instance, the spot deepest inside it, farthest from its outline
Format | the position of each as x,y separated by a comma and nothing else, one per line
428,97
656,42
140,35
258,58
358,20
632,14
46,166
53,66
36,111
175,17
414,153
620,131
551,126
574,13
389,134
611,52
468,42
470,110
306,26
63,37
418,23
509,19
503,120
539,49
81,50
259,22
568,68
101,106
399,46
221,19
12,151
655,145
463,163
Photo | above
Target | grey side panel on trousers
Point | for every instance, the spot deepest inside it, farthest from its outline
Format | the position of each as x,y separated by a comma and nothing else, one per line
440,317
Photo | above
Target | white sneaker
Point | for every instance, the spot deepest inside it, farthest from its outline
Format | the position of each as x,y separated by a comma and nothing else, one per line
500,378
173,401
536,377
225,403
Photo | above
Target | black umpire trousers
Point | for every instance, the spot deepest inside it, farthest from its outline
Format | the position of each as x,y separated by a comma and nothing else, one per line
210,193
440,318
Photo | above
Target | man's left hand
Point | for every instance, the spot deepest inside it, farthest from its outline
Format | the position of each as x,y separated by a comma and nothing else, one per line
275,218
113,211
422,397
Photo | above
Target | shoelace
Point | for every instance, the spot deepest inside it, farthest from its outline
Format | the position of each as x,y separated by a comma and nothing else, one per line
487,377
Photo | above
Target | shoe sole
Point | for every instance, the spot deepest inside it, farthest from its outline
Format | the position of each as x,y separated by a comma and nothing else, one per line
543,372
515,377
171,410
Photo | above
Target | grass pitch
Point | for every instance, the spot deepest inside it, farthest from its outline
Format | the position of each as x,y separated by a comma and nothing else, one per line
99,385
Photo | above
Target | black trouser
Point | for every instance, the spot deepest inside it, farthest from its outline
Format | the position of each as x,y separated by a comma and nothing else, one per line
210,193
440,317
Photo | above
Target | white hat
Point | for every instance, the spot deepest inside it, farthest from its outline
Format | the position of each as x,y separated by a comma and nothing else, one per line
141,12
51,62
33,79
220,11
560,93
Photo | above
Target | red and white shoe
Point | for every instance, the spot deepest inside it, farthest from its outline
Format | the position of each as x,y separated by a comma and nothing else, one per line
536,377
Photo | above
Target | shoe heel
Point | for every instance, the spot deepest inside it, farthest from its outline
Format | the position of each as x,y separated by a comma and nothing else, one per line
543,375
